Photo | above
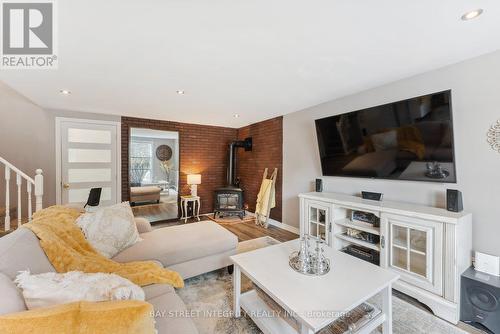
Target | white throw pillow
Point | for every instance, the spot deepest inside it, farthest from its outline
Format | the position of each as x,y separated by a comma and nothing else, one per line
111,229
51,288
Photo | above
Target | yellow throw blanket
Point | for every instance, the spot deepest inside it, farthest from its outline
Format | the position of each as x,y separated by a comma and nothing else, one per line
266,198
117,317
68,250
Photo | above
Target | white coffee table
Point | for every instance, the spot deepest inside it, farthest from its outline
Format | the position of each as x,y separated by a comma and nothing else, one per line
349,283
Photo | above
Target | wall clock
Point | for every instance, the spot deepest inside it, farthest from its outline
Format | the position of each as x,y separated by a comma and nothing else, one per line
493,136
163,152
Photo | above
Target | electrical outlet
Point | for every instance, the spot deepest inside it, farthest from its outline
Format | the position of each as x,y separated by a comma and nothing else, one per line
486,263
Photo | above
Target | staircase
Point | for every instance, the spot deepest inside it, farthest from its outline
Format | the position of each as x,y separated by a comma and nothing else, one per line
13,216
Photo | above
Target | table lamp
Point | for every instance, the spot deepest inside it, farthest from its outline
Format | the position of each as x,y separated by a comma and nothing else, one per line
193,180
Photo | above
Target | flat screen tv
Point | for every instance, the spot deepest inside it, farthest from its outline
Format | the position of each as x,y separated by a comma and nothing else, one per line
404,140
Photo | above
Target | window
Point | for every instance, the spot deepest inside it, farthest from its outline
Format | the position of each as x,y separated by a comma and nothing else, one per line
141,162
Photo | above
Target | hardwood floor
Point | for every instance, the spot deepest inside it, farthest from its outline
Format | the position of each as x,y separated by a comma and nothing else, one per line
156,212
244,230
13,221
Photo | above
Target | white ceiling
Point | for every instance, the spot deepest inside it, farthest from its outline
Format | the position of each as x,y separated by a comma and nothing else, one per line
257,58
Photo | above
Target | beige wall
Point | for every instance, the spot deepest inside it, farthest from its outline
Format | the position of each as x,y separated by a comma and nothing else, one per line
27,139
475,86
20,141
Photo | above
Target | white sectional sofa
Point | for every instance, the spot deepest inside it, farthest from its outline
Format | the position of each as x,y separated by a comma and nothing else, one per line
190,249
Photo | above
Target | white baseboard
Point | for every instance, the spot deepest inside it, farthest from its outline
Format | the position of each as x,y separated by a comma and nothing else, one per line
289,228
276,223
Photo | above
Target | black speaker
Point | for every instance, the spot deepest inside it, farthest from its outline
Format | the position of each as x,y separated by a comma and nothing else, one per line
372,196
454,200
94,197
480,300
319,185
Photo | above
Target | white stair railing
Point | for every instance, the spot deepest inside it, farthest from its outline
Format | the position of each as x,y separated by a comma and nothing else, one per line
36,183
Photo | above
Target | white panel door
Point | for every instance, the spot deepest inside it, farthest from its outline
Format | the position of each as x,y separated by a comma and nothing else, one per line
88,159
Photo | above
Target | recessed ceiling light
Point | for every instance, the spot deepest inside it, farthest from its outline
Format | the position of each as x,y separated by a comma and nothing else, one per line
236,115
181,92
65,92
472,14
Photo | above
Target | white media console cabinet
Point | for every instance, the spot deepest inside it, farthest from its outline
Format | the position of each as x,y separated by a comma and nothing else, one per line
428,247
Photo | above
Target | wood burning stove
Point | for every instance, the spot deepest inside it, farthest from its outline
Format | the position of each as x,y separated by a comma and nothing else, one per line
229,199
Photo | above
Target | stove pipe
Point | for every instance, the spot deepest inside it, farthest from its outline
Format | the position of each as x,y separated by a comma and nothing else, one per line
231,170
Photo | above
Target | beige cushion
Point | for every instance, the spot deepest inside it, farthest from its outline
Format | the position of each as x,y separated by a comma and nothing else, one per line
139,191
143,225
177,244
155,290
20,250
110,229
170,315
203,265
12,299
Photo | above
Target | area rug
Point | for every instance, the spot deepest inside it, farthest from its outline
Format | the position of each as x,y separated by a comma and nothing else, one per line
210,297
231,220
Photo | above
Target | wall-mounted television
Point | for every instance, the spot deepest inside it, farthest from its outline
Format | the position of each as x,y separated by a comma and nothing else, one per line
405,140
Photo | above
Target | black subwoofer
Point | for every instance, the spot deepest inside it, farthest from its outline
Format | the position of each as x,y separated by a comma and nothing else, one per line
480,300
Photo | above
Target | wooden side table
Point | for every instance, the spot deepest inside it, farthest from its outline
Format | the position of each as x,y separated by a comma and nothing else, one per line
184,207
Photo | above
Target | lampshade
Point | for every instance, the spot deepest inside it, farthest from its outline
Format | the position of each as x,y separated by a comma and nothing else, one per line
194,179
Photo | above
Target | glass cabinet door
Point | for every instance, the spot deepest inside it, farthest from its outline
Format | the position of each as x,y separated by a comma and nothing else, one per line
410,250
318,222
415,250
399,247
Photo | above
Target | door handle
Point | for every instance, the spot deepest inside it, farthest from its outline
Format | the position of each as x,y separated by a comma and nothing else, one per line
66,185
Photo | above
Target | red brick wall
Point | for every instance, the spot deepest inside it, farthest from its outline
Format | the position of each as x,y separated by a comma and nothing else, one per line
267,152
203,150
